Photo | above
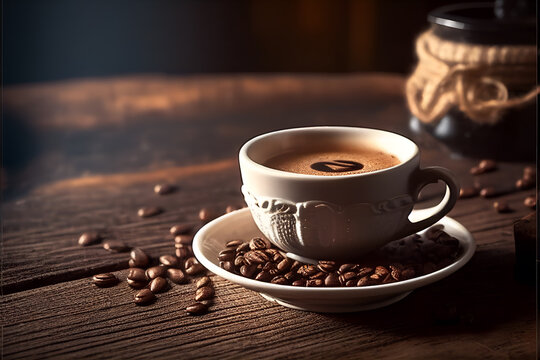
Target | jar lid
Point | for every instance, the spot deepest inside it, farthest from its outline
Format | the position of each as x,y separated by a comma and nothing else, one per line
502,22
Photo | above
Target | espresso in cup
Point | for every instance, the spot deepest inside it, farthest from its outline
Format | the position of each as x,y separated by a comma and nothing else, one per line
332,161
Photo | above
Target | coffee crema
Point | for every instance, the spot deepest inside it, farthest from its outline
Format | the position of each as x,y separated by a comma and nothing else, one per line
332,162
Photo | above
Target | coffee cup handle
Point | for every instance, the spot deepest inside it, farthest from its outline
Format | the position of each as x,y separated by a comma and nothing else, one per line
420,219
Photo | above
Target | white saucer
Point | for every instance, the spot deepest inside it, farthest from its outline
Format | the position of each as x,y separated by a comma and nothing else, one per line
211,239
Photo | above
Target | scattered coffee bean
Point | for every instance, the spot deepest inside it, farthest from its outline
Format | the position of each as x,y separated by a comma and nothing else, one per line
501,207
89,238
525,184
182,253
169,260
137,284
206,215
195,269
204,293
144,297
149,211
488,192
204,281
138,258
164,189
468,192
183,239
196,309
158,284
115,246
529,171
156,271
530,202
190,261
487,165
137,274
177,276
181,229
104,280
231,208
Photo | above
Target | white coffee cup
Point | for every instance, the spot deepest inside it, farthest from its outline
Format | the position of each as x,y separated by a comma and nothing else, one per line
345,216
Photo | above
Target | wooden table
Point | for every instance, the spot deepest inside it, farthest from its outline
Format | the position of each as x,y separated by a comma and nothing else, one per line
88,155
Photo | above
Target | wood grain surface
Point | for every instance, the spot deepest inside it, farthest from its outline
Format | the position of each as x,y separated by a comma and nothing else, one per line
88,155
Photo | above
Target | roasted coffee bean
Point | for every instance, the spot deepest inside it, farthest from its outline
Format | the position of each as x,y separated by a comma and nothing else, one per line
388,279
136,284
158,285
468,192
104,280
242,248
350,283
407,273
177,276
156,271
264,276
259,244
349,275
364,271
228,266
204,281
280,280
376,278
290,275
131,263
332,280
363,281
299,282
395,273
475,170
381,271
248,270
530,202
169,260
89,238
487,165
137,274
164,189
143,297
295,266
182,252
314,283
488,192
206,215
139,257
326,266
256,256
307,270
195,269
181,229
190,261
231,208
278,257
196,309
234,243
270,267
115,246
284,265
149,211
529,171
524,184
183,239
226,255
502,207
239,260
346,268
204,293
318,275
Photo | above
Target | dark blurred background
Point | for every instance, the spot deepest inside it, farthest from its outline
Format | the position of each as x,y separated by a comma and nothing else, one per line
59,39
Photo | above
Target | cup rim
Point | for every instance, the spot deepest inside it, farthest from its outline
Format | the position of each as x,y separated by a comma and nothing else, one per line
244,157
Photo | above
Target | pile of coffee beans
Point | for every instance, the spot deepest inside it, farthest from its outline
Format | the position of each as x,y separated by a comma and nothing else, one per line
399,260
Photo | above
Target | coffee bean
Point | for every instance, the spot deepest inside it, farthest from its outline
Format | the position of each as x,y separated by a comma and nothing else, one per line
181,229
468,192
136,284
190,261
434,232
299,282
229,266
364,271
346,267
326,266
195,269
259,244
524,184
242,247
501,207
177,276
182,253
234,243
164,189
149,211
291,275
475,170
183,239
487,165
376,278
139,257
89,238
488,192
349,275
104,280
314,283
239,261
248,270
156,271
332,280
307,270
158,285
388,279
264,276
530,202
256,256
169,260
116,246
206,215
144,297
131,263
196,309
137,274
227,255
231,208
284,265
381,271
204,293
363,281
395,273
319,275
204,281
280,280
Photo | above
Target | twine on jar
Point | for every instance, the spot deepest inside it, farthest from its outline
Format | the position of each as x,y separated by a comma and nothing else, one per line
473,78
